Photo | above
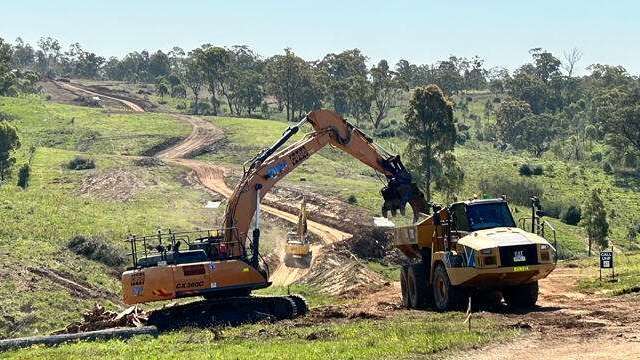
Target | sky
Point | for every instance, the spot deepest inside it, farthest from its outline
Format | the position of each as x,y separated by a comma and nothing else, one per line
501,32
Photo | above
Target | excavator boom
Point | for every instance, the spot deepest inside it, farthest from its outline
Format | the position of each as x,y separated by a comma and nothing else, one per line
274,163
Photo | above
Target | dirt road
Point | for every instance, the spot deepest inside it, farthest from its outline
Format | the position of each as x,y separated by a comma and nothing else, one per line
571,325
75,89
212,177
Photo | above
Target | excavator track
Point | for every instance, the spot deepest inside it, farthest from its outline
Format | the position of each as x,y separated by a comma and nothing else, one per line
231,311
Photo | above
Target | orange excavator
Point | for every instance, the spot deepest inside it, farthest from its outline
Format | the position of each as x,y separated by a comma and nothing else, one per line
226,262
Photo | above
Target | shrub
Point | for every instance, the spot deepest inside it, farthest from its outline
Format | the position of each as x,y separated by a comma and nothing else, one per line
528,170
607,168
537,170
96,249
81,163
181,106
571,215
352,199
525,170
596,156
518,190
23,176
6,117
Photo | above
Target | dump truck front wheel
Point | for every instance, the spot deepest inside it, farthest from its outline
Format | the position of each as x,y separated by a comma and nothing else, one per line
445,296
522,296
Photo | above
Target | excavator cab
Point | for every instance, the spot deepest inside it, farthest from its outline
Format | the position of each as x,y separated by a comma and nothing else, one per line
171,265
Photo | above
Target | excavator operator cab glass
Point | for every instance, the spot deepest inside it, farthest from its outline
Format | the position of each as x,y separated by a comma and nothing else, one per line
488,215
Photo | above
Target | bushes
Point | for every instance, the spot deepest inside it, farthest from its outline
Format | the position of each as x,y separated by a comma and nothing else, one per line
525,170
568,212
97,249
23,176
81,163
518,191
571,215
352,199
529,169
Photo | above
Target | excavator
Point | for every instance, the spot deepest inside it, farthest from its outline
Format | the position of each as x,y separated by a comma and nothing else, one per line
297,250
226,263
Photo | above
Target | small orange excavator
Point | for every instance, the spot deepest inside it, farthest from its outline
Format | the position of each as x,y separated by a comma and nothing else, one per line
226,262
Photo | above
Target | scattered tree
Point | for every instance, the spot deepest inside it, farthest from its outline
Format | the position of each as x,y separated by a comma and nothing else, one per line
571,58
193,79
594,220
431,134
9,142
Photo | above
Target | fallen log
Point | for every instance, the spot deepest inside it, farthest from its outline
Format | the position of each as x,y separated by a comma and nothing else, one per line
114,333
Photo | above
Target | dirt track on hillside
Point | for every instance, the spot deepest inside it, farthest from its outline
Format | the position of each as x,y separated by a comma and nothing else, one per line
76,89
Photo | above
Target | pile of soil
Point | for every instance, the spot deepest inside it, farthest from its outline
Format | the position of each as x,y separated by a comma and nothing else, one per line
116,184
336,271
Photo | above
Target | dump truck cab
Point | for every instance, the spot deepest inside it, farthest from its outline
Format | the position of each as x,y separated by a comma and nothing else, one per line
470,248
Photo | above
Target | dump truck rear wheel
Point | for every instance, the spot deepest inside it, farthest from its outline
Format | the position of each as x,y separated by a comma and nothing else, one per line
417,286
404,287
522,296
445,296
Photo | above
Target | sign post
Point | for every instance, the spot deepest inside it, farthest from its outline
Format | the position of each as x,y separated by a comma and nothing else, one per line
606,262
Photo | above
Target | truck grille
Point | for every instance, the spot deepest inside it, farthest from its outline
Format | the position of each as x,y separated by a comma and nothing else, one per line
518,255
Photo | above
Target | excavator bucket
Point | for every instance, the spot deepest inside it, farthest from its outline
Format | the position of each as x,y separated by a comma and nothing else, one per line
398,194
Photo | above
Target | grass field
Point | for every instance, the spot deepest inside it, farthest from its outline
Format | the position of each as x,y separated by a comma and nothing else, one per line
45,124
627,269
410,335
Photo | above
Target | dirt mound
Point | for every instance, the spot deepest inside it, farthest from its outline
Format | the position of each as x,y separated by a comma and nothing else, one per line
116,184
369,243
336,271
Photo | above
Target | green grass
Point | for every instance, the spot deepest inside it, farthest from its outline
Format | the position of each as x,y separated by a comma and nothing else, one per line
627,268
416,334
38,222
46,124
391,273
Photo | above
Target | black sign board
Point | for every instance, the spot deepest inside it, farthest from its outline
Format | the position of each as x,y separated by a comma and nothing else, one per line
606,259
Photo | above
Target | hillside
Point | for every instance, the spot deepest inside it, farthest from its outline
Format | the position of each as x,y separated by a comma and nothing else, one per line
128,194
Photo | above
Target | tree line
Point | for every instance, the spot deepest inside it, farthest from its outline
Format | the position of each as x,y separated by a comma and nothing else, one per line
243,80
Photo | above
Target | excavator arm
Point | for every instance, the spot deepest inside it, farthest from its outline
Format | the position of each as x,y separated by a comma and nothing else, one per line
274,163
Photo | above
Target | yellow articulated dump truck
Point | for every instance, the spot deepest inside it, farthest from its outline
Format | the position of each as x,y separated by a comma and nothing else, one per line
473,249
